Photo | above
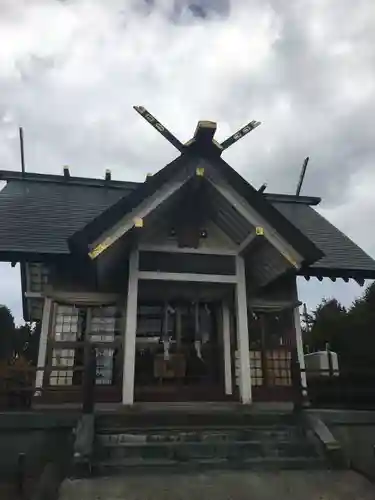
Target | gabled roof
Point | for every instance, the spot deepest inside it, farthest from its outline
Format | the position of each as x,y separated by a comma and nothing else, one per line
85,237
39,213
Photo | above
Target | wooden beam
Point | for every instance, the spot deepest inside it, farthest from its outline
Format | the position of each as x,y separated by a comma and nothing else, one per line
243,207
75,297
272,305
247,242
130,330
239,134
136,215
46,322
227,349
195,277
243,333
34,295
175,249
299,346
160,128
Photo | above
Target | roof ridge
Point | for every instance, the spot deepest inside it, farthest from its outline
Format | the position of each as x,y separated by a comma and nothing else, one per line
8,175
11,175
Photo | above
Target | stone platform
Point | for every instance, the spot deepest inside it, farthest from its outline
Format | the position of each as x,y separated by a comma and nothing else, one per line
227,485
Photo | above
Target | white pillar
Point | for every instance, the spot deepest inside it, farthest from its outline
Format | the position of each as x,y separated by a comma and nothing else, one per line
242,333
130,330
46,321
226,350
299,345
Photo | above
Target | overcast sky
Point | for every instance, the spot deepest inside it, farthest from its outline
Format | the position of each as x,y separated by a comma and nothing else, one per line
70,72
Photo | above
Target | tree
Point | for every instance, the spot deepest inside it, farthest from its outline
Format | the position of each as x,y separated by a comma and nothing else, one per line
17,341
351,333
27,341
6,332
328,320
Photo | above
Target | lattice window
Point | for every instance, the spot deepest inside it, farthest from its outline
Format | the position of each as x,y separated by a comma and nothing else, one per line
84,324
256,368
278,367
38,275
104,324
65,329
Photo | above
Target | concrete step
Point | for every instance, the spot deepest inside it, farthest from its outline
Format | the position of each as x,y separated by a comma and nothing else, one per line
189,418
190,451
237,439
158,466
114,437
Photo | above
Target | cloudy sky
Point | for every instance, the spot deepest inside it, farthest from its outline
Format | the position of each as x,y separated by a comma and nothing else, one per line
70,72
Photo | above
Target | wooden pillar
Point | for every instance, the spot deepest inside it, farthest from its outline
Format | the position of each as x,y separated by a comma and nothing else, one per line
299,346
130,330
242,333
178,327
227,350
46,321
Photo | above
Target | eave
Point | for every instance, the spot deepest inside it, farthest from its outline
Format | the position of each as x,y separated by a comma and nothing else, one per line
358,275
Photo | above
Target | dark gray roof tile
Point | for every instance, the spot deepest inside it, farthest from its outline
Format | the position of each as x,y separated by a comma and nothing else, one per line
340,252
39,217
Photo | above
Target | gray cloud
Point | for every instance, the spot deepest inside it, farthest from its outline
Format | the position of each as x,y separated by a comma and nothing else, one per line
71,70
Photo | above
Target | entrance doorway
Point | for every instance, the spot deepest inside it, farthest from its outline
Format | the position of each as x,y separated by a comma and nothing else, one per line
179,351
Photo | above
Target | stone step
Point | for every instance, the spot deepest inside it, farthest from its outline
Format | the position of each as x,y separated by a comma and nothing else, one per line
195,445
133,466
116,437
187,451
235,440
189,418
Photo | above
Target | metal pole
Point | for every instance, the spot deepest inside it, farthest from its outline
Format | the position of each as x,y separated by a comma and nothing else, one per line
22,152
302,176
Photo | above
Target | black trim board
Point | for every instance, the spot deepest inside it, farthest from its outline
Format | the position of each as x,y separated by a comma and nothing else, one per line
82,239
299,241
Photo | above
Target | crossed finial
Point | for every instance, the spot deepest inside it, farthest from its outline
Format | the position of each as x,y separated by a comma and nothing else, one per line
204,132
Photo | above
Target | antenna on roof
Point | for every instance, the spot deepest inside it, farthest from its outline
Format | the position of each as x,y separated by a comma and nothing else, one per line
302,176
22,152
262,188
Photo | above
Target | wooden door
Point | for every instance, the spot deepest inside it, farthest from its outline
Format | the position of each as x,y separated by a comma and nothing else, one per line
271,336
